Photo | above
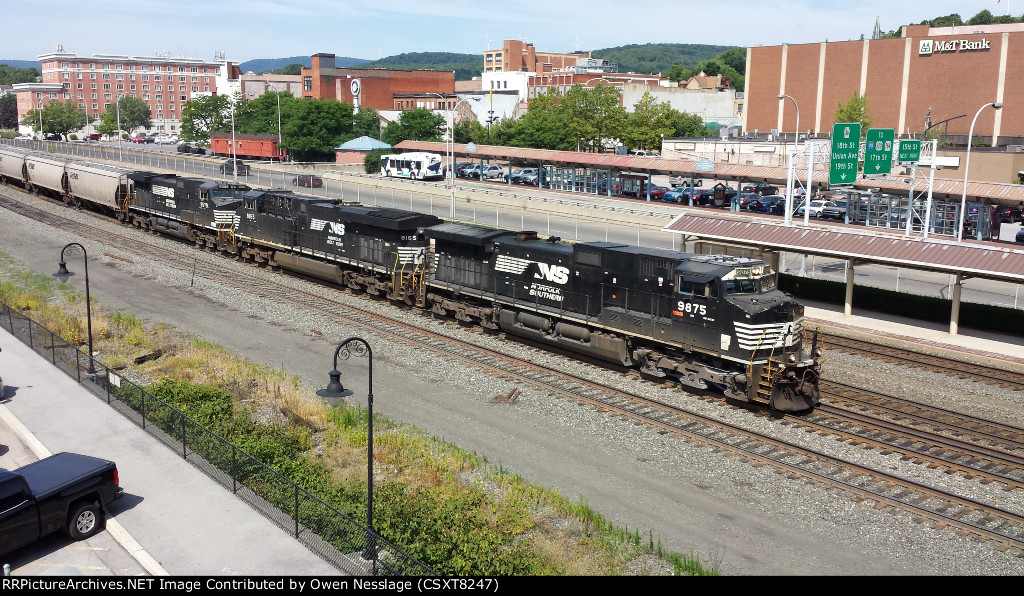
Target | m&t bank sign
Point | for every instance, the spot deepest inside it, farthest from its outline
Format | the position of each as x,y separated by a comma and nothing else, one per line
929,46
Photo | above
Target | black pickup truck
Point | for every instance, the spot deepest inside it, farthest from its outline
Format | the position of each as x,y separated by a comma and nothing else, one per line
66,491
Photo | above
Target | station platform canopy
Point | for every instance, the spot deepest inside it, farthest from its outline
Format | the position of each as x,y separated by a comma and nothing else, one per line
994,193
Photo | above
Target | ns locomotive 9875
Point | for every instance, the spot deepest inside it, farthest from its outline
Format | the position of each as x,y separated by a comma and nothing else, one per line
707,321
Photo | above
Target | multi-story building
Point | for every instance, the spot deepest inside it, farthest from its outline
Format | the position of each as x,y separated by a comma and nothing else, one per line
374,88
518,55
95,82
930,75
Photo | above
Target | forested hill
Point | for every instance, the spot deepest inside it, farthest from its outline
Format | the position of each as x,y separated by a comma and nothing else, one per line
261,65
658,57
466,66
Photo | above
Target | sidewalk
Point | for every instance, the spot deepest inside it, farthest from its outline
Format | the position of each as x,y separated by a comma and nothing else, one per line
173,518
968,345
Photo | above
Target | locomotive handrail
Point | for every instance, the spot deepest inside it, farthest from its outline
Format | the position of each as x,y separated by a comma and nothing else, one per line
753,354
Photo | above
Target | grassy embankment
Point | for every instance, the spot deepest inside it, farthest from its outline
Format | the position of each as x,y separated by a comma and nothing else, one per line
451,509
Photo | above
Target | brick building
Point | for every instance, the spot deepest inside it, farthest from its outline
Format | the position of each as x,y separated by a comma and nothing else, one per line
377,87
517,55
927,76
95,82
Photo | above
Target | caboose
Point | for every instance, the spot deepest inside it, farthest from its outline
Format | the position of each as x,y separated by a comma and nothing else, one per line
247,146
704,320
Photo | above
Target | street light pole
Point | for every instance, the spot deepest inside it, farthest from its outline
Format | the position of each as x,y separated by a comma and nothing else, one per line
278,91
967,164
451,133
63,274
234,154
117,107
789,178
333,393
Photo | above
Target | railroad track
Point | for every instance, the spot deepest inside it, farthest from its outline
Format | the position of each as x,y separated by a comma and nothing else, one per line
985,521
974,372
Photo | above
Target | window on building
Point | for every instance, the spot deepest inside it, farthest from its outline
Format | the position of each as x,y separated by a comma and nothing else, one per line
94,96
145,77
81,85
193,69
156,77
145,67
53,95
106,96
106,67
92,76
307,83
184,98
81,96
120,67
158,88
106,76
131,77
65,65
66,85
133,87
120,86
170,108
206,88
79,76
92,85
119,77
145,96
106,85
95,106
65,75
81,106
145,87
206,79
160,115
195,79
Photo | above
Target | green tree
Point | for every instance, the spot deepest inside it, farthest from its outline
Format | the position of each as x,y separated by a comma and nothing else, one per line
59,117
982,18
470,131
366,124
592,115
371,163
691,126
315,127
855,110
203,116
292,69
10,75
543,126
132,112
8,111
415,125
650,121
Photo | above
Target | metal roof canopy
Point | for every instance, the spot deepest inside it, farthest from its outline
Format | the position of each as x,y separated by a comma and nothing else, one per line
961,260
997,193
938,255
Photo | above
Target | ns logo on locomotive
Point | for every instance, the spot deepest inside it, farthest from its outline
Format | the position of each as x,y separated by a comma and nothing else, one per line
705,321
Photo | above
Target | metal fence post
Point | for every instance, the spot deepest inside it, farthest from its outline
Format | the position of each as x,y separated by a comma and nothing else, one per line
184,453
53,348
234,469
143,407
31,347
296,510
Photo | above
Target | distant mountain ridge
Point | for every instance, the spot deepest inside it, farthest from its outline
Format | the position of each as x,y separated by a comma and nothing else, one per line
261,65
20,63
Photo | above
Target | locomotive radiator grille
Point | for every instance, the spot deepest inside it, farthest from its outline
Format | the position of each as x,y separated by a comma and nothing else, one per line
768,335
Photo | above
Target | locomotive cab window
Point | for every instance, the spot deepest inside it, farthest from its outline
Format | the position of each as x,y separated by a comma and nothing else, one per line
696,287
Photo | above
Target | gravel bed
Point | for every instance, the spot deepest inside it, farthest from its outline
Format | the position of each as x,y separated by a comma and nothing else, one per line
911,547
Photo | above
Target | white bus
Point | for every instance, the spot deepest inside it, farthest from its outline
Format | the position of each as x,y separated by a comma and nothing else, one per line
417,166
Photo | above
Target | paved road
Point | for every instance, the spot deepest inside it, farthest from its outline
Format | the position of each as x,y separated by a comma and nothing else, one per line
172,520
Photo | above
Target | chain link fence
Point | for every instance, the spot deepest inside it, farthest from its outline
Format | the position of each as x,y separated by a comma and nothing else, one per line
340,540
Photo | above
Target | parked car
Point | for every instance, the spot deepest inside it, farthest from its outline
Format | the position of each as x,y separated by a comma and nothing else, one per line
761,188
524,176
1006,214
228,167
138,139
483,173
462,167
93,137
66,491
1020,236
165,140
52,137
681,180
771,204
149,139
837,210
814,208
643,153
190,147
679,194
308,181
746,198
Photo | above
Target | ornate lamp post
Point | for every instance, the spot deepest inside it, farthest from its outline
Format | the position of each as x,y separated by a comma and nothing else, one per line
333,393
63,274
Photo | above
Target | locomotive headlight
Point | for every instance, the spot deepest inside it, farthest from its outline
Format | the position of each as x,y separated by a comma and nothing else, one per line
791,358
818,352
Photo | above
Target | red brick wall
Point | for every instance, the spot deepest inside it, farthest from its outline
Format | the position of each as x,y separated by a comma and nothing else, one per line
884,84
802,86
842,77
379,86
765,69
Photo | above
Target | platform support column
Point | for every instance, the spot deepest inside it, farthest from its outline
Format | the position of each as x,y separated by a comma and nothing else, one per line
848,303
954,316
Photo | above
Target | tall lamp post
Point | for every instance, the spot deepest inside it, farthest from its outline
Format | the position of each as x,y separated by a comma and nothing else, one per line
967,164
278,91
789,178
449,143
333,393
63,274
234,153
117,108
451,133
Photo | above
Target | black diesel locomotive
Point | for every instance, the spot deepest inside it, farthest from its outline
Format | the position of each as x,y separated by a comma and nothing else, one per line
706,321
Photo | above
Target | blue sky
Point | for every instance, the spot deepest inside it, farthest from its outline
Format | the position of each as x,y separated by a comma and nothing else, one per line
249,29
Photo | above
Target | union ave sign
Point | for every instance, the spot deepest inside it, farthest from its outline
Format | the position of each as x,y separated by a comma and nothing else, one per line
845,151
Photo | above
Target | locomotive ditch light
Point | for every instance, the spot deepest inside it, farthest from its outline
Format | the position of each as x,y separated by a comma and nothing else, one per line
791,358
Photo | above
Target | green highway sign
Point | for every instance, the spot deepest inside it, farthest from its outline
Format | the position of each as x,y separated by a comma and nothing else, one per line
878,152
909,151
845,149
